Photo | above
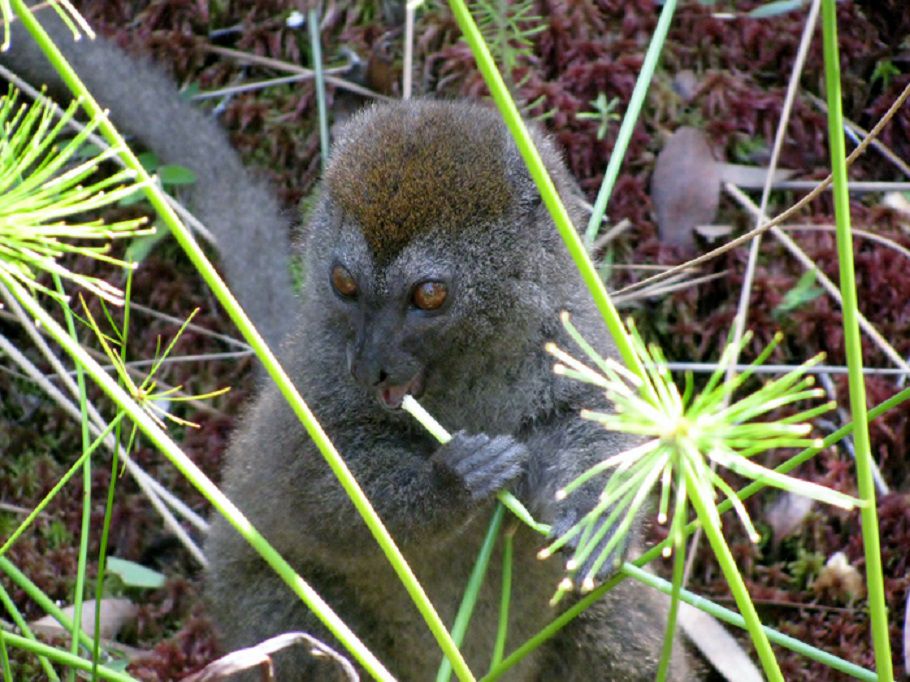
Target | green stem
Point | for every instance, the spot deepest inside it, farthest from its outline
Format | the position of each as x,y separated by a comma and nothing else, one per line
439,432
112,486
733,577
105,534
650,555
679,570
472,590
200,481
65,658
502,631
865,482
512,117
46,604
630,119
282,382
85,529
4,658
16,616
33,514
730,617
102,550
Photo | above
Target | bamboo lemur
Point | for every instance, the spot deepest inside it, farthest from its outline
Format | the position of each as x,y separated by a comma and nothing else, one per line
432,268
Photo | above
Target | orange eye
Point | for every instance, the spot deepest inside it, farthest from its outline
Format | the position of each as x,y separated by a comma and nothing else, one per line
343,281
430,295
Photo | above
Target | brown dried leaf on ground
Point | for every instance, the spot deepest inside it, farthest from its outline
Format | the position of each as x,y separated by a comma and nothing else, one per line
115,614
685,187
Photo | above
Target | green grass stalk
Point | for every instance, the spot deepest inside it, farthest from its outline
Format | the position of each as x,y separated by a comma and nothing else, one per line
200,481
865,482
85,526
679,570
730,617
283,383
4,658
16,616
58,486
102,550
732,575
505,598
472,590
65,658
627,127
111,488
84,533
512,117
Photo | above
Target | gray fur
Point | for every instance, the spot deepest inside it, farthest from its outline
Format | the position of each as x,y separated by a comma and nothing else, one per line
238,208
486,372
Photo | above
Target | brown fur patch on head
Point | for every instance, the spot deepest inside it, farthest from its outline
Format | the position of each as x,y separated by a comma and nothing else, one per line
405,168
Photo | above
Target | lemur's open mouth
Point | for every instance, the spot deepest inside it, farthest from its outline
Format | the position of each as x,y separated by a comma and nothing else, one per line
391,396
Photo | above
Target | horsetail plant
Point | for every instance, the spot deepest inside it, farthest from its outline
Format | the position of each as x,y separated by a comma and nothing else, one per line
47,188
685,432
146,393
44,186
68,14
686,437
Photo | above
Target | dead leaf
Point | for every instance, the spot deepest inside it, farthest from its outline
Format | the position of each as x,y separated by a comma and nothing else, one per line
261,656
787,513
685,187
717,645
900,203
711,233
840,578
115,613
